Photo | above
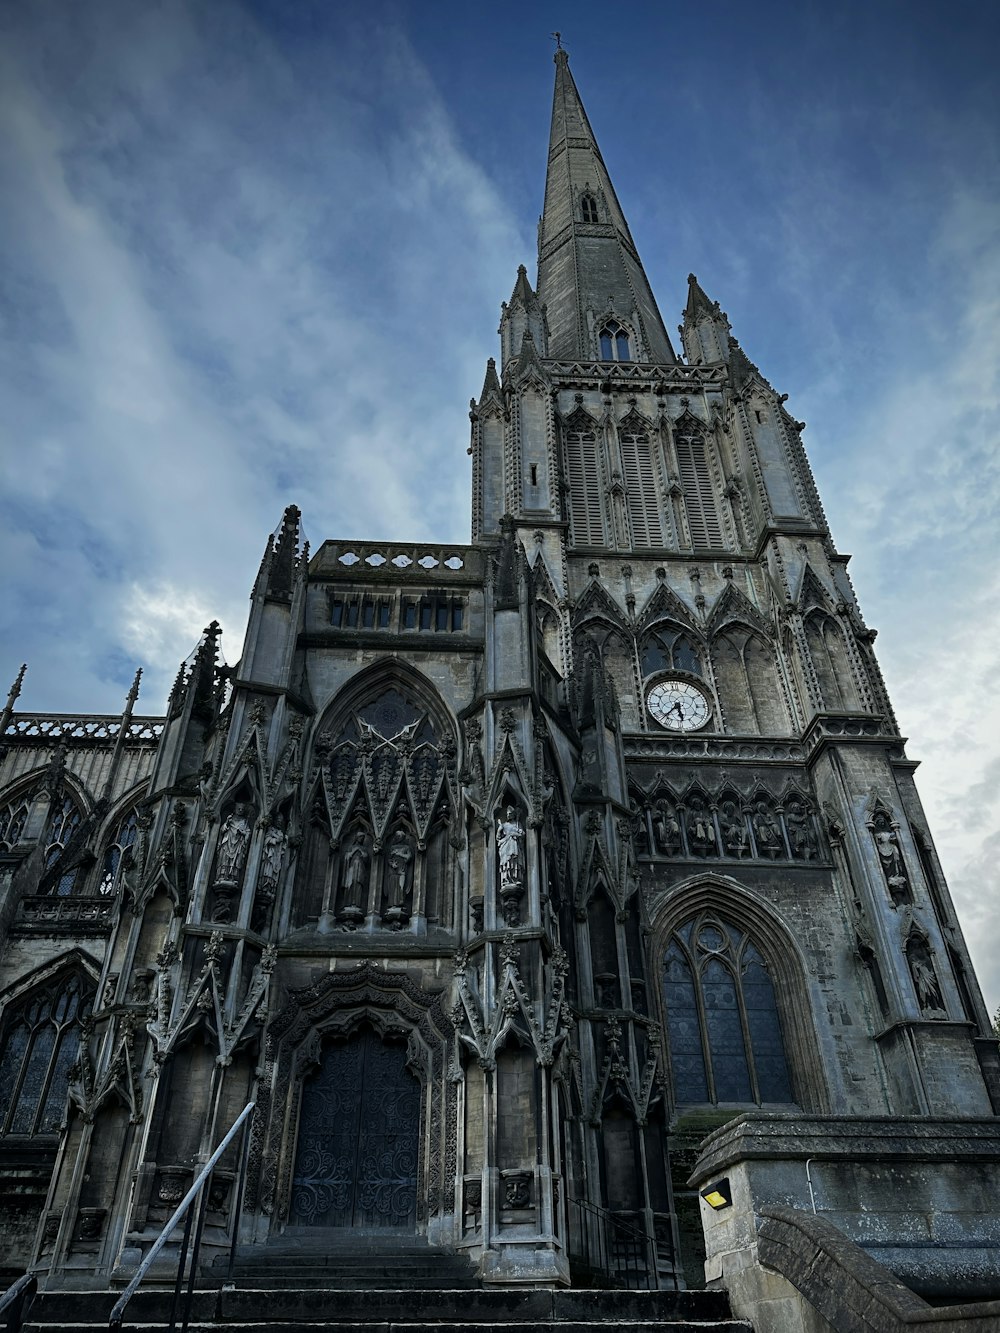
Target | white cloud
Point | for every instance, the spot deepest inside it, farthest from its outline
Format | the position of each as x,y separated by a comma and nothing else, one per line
258,282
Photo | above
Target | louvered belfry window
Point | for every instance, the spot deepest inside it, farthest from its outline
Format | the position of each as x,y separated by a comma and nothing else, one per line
640,485
699,493
584,475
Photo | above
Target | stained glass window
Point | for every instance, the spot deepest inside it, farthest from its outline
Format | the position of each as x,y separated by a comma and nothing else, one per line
63,824
723,1026
117,851
40,1042
13,817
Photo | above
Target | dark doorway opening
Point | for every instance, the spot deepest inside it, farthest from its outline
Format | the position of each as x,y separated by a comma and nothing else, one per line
359,1126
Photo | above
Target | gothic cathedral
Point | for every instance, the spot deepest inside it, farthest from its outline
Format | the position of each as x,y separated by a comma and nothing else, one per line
525,887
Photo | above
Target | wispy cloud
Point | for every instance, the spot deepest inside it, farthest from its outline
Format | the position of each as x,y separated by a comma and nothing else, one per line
236,290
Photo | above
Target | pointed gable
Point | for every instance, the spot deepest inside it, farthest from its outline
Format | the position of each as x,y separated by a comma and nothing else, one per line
595,602
812,593
734,605
664,604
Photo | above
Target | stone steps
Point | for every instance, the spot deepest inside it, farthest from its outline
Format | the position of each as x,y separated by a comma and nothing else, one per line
271,1310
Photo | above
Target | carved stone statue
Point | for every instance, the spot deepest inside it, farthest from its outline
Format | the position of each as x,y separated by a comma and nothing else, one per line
766,831
354,874
925,981
667,830
270,864
233,846
891,858
801,834
700,832
510,836
734,829
400,869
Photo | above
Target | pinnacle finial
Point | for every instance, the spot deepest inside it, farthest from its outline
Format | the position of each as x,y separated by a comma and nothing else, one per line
12,696
15,689
133,693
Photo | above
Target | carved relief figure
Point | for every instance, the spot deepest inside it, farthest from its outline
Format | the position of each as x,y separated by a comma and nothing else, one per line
400,869
766,831
233,845
801,834
734,829
667,829
700,831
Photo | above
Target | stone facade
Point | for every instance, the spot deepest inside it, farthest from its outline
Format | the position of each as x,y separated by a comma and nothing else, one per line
496,875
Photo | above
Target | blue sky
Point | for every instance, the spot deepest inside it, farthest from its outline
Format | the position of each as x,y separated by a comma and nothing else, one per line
254,253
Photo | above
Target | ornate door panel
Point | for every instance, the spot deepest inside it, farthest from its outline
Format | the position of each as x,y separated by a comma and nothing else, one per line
356,1162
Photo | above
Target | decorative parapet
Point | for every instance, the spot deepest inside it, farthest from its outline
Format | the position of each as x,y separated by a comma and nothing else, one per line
88,728
731,749
381,561
44,913
632,372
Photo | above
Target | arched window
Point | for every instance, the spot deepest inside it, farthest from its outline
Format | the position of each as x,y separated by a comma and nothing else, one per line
13,817
614,342
117,853
829,658
63,823
588,207
723,1028
748,682
668,648
41,1038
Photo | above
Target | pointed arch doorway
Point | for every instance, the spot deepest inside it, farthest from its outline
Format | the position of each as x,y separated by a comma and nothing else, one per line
358,1142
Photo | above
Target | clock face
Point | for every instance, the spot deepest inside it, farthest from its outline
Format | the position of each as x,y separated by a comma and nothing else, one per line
678,705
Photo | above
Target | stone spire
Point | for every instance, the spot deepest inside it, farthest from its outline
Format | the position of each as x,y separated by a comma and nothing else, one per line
588,267
705,331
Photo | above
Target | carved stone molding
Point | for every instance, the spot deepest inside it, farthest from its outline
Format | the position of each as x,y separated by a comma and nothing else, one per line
395,1005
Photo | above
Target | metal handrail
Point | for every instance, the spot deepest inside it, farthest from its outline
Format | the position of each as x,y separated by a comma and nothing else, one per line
21,1289
613,1228
115,1318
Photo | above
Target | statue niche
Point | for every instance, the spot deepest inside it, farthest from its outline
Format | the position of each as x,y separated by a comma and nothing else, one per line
397,892
699,826
891,857
925,982
352,890
230,861
733,826
666,829
510,855
269,876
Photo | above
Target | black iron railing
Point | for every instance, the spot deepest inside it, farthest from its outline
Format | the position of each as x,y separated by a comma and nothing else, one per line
192,1217
612,1250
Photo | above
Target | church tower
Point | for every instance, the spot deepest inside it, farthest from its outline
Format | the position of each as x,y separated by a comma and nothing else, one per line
526,888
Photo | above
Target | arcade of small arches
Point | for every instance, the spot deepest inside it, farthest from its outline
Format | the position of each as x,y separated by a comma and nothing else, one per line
738,665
